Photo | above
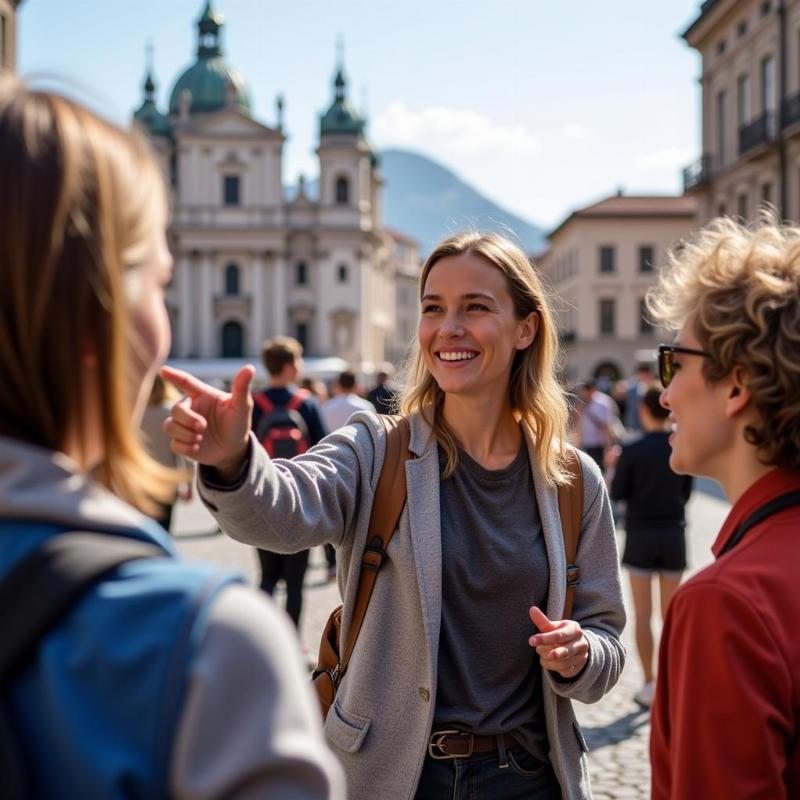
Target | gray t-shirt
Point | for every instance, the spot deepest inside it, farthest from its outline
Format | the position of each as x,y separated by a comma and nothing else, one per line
494,568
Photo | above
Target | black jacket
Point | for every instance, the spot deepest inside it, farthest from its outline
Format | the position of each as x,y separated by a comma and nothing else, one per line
654,494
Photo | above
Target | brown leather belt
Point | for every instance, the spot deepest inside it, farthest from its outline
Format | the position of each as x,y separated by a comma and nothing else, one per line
457,744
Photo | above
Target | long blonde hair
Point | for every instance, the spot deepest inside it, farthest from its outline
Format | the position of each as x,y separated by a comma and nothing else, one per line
78,206
536,397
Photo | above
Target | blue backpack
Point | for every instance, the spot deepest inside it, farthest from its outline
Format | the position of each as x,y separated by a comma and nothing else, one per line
36,598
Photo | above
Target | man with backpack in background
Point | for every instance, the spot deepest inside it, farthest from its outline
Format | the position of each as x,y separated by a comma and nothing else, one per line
287,421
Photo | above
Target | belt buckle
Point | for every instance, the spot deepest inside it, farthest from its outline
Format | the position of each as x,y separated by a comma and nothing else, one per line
437,740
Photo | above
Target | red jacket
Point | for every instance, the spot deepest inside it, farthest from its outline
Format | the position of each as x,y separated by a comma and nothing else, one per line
726,717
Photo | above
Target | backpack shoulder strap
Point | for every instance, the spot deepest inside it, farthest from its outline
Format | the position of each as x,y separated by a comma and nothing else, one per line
41,589
263,402
387,505
297,399
570,509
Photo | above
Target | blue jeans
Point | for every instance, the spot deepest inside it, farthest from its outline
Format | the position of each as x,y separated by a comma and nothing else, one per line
480,777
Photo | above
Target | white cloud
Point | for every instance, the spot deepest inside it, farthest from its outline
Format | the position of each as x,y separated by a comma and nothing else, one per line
453,131
576,132
667,158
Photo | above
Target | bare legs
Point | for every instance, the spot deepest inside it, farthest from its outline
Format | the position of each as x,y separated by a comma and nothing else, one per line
642,594
668,583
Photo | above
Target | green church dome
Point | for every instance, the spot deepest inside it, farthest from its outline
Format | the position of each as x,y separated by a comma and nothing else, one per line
340,117
210,77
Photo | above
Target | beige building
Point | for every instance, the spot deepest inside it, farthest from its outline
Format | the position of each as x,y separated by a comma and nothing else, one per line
405,266
750,85
601,261
8,34
249,262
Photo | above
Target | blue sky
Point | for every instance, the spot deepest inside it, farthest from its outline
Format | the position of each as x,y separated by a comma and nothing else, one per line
542,106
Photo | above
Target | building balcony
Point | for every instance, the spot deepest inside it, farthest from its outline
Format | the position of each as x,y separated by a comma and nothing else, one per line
790,110
759,132
241,304
228,217
697,173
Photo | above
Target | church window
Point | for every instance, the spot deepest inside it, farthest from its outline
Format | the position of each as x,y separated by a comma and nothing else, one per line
301,334
232,340
342,191
231,190
232,279
342,273
301,274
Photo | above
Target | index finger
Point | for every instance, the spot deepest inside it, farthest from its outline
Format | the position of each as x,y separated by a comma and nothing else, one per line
188,384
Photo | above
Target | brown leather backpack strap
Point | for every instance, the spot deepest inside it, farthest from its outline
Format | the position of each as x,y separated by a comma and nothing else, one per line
570,509
390,497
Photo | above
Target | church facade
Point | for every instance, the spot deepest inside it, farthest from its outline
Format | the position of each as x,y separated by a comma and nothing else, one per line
251,263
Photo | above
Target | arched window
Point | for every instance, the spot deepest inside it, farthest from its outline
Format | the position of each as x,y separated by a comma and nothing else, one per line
301,274
231,190
232,340
342,273
232,279
301,334
342,191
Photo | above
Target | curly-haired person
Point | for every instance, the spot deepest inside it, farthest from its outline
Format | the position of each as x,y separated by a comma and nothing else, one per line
726,718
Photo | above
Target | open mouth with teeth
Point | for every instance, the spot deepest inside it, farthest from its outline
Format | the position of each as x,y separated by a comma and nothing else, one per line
454,356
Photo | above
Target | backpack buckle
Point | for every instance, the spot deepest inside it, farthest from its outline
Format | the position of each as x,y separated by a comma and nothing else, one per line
573,574
374,555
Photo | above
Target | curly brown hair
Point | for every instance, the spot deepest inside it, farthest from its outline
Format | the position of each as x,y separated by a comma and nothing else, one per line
740,288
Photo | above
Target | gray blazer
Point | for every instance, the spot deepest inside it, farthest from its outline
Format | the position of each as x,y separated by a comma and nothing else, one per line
381,720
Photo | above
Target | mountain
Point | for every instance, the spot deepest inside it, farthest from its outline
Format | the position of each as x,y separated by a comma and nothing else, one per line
427,201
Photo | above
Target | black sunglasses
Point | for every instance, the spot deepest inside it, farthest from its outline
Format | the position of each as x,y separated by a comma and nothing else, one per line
666,360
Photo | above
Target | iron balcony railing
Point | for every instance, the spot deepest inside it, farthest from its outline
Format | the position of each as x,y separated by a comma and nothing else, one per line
790,110
760,131
697,173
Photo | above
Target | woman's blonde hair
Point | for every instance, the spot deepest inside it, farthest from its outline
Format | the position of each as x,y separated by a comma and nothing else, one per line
80,200
739,288
536,397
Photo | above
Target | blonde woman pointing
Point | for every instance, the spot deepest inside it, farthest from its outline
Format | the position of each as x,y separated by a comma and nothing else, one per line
463,675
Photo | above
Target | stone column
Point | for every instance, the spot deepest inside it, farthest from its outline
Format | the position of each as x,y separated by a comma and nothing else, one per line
208,330
187,343
279,296
257,326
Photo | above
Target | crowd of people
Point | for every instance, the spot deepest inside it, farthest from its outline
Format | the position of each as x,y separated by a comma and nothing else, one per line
127,671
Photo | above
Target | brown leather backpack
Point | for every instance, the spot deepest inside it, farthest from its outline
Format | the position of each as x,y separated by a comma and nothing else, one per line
390,497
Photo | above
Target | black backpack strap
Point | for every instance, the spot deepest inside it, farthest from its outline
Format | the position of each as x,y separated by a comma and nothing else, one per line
759,515
41,588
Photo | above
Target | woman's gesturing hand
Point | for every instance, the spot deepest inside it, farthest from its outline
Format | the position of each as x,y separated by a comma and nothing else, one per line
561,645
209,425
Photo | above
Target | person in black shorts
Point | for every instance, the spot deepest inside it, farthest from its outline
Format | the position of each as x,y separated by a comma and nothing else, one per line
654,543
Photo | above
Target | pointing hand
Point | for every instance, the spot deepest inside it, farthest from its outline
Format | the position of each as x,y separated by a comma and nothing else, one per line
209,425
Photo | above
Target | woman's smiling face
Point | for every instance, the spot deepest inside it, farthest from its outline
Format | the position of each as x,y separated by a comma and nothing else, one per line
468,330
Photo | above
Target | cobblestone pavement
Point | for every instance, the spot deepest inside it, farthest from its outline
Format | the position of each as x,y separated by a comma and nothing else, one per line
616,728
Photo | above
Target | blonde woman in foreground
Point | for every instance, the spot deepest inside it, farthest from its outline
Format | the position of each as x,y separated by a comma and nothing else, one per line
462,678
158,678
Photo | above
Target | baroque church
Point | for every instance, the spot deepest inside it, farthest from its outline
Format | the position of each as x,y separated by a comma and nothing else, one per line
250,263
